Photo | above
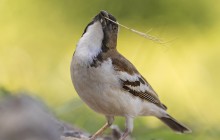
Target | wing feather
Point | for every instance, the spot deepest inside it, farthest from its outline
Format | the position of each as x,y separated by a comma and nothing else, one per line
133,82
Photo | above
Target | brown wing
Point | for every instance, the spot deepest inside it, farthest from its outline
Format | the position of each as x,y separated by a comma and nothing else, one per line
137,85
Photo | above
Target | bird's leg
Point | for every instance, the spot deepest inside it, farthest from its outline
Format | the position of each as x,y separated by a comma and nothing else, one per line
110,120
129,127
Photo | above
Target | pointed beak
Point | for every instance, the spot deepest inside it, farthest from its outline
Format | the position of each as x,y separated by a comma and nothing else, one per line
101,17
104,14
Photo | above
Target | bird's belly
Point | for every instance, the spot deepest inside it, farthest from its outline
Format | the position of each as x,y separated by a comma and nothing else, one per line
100,89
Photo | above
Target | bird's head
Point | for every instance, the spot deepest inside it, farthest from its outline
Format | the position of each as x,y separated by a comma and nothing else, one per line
102,28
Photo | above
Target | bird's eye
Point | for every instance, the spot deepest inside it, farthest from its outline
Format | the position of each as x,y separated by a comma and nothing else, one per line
115,27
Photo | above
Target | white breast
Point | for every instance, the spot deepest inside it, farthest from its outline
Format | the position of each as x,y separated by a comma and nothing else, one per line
89,44
98,87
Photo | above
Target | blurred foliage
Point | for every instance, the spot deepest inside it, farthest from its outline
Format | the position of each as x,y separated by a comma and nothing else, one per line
38,37
3,92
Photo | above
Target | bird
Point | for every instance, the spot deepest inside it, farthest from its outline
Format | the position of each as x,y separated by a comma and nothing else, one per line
109,83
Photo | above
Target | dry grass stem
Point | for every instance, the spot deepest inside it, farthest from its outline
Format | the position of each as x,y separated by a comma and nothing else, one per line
145,35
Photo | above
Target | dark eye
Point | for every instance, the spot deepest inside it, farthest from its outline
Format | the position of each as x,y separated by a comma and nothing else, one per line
115,27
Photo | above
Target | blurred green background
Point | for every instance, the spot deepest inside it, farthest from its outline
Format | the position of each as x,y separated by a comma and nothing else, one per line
38,38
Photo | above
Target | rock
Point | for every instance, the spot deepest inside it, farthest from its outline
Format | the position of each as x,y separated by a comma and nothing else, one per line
26,118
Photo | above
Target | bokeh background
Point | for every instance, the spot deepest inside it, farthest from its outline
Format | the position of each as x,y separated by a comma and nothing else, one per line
38,38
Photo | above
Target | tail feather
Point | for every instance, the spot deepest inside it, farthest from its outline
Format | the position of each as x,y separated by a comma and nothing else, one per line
175,125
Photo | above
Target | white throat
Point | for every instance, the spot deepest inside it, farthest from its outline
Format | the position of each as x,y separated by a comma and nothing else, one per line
89,45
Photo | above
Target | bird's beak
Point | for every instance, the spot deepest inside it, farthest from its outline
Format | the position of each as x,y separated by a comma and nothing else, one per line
103,17
103,14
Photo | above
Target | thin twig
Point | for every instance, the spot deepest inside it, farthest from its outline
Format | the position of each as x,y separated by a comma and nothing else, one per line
145,35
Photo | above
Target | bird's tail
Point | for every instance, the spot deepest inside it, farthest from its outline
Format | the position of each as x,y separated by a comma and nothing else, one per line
174,124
